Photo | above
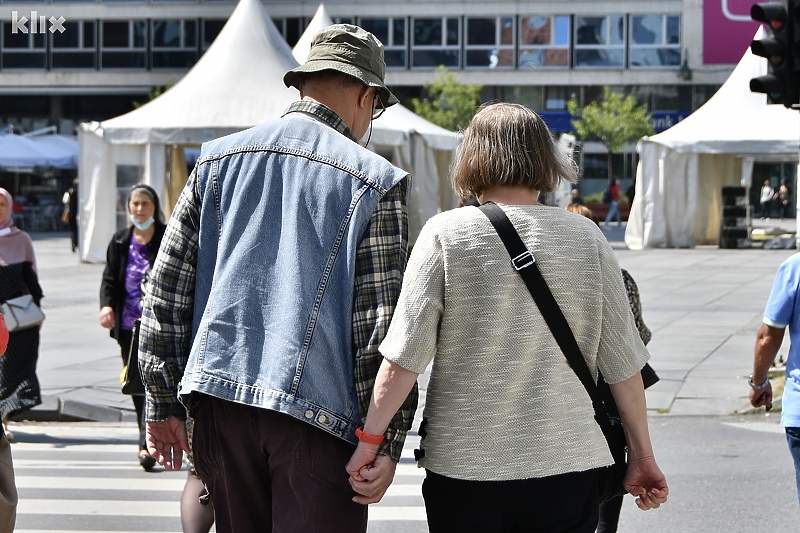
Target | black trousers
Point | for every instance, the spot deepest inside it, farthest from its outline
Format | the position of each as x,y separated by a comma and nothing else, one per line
125,339
563,503
268,472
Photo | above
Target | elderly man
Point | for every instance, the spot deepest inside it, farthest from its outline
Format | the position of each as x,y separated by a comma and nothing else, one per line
277,279
783,309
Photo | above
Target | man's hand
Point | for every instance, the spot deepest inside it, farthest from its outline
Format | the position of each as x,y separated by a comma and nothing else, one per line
762,398
370,473
166,441
646,481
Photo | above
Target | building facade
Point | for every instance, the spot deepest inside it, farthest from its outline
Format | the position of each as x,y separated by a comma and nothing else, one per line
67,61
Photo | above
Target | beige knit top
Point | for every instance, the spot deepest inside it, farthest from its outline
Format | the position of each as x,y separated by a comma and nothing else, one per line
502,402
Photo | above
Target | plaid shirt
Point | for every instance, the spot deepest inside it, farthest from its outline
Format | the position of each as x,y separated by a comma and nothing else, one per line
165,336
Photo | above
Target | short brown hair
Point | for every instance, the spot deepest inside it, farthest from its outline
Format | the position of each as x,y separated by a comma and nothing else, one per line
509,144
583,211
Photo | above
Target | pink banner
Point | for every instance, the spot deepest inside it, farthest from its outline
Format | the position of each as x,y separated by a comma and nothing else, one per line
727,31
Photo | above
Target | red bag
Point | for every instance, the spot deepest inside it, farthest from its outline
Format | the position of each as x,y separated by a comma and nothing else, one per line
3,335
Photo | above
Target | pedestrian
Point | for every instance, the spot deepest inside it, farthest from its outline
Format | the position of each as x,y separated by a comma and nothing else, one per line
610,510
613,210
509,439
575,196
8,486
783,197
765,200
130,254
782,311
19,385
70,213
274,286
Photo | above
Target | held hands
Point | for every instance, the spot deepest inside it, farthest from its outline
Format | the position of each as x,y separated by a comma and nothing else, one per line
166,441
646,481
370,473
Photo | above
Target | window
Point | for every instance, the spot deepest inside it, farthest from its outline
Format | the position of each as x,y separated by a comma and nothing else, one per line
23,50
655,41
291,28
489,42
555,97
124,44
544,42
76,47
436,42
392,33
211,29
174,43
600,42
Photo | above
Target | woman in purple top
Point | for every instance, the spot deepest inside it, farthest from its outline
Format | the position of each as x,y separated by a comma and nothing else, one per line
130,255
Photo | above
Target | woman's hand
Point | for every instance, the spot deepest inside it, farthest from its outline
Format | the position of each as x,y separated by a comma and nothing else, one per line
107,317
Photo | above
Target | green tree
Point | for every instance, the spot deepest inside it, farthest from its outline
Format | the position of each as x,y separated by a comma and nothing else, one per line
157,91
450,104
614,121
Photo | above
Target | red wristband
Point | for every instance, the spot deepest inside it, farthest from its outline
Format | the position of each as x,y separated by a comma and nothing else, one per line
366,437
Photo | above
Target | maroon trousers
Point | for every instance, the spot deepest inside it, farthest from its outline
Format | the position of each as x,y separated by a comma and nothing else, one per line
266,471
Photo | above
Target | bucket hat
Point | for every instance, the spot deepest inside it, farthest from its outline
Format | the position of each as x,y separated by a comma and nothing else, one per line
350,50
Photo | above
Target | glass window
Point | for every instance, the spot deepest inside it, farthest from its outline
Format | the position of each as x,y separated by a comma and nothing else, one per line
392,33
75,47
22,50
544,42
655,41
123,44
490,42
174,43
436,42
211,29
600,42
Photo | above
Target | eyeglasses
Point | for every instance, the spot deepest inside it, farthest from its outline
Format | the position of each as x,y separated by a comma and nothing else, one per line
376,112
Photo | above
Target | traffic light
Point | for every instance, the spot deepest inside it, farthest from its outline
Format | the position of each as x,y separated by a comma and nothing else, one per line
782,82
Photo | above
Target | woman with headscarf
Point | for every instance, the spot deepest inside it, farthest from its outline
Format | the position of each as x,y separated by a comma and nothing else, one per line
130,255
19,386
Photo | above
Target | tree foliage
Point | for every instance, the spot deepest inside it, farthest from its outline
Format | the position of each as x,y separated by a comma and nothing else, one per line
157,91
614,121
449,104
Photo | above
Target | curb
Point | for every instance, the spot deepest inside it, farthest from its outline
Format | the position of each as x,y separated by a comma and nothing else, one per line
58,409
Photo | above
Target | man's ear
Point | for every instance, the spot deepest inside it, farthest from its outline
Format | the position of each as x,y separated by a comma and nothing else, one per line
365,97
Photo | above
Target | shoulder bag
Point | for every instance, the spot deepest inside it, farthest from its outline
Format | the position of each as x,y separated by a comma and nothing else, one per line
21,313
131,378
610,477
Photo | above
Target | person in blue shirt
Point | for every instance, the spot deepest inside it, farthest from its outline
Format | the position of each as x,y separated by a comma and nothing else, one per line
782,311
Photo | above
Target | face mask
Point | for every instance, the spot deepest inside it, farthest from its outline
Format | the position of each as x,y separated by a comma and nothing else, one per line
141,226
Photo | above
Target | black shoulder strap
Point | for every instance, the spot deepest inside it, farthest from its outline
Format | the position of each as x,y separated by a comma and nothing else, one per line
525,265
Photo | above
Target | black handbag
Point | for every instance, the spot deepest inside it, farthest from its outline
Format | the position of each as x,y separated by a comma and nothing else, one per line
131,377
610,477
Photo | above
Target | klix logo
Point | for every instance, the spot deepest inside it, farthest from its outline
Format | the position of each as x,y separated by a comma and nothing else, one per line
38,23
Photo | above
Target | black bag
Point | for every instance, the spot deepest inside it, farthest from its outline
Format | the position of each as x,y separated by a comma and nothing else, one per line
610,477
607,196
131,378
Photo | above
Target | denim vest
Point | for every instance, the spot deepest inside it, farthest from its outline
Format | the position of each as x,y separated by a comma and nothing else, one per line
284,207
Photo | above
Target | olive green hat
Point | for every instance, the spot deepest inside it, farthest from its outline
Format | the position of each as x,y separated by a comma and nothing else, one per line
350,50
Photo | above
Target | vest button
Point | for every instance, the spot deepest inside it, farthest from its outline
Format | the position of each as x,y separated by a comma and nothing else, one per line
309,414
323,419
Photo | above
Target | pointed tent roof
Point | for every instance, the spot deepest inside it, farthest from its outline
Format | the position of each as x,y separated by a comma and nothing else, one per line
303,46
398,122
736,120
235,85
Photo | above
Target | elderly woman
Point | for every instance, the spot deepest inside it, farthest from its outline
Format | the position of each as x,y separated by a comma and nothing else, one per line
19,385
131,253
509,441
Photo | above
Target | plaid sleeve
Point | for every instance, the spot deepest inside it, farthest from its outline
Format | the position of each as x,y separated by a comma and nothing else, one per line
380,263
166,327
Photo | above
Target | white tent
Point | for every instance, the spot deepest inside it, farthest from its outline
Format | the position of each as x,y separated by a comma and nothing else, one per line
681,171
409,141
235,85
